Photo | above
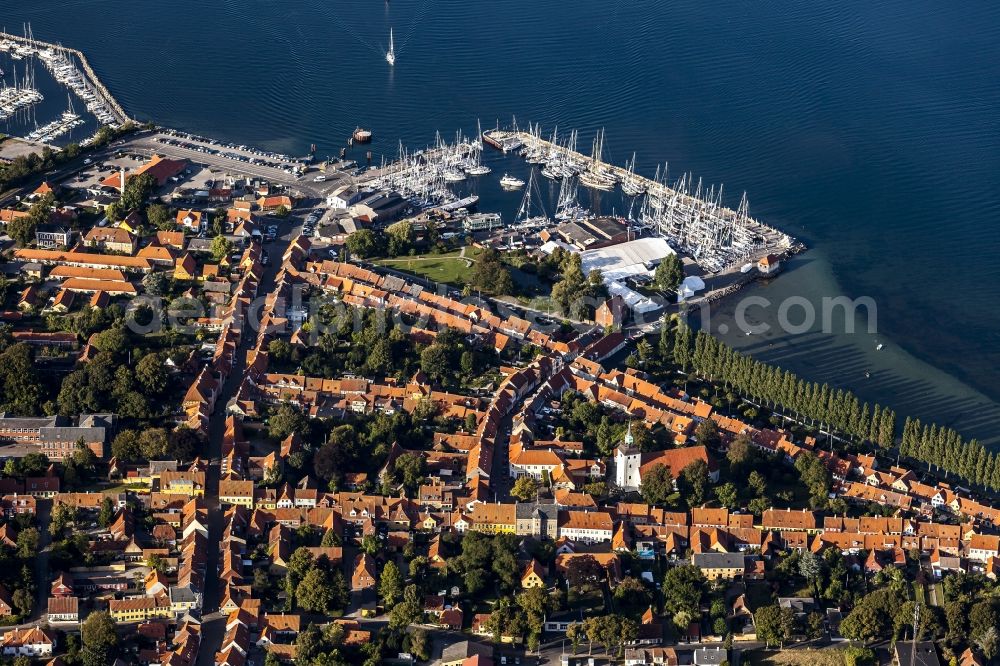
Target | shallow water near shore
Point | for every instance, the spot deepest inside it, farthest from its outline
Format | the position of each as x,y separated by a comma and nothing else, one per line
869,131
847,355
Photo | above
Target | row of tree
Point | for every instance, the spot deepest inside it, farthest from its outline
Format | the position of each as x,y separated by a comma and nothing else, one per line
819,404
944,450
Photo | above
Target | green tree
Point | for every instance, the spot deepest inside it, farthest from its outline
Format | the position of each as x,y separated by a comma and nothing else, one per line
669,274
757,483
855,655
567,293
490,275
525,488
285,420
683,587
811,568
27,544
682,345
20,387
420,644
740,450
657,485
125,446
988,643
315,592
409,611
99,638
390,585
222,247
153,443
694,482
159,217
363,244
308,644
728,495
151,374
982,616
435,362
106,513
156,283
775,624
23,601
707,433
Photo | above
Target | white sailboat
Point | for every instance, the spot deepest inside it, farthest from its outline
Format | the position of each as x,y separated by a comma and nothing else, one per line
524,218
476,167
390,57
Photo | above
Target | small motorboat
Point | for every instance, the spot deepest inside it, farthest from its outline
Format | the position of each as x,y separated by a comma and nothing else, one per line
510,182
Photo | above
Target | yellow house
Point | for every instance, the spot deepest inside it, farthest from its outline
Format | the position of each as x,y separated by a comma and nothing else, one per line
182,601
139,609
533,576
428,522
129,225
236,492
715,566
186,268
494,518
191,484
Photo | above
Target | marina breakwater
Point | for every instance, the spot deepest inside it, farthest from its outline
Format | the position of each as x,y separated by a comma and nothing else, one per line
27,45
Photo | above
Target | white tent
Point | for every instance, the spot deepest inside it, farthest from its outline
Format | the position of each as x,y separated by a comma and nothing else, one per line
691,285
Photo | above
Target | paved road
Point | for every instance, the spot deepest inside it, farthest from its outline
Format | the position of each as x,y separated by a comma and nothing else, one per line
214,623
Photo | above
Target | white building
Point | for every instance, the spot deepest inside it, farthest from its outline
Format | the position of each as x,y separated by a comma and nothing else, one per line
619,262
628,460
535,463
28,642
586,526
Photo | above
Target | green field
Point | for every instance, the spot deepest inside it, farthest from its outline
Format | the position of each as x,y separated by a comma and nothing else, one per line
450,268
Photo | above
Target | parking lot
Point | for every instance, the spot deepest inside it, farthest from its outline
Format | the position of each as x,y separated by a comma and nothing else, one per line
239,153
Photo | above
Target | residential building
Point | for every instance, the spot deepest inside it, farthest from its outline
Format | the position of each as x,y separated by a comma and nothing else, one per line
726,566
49,235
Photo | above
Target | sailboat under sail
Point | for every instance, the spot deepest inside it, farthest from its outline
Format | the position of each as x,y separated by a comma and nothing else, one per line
390,57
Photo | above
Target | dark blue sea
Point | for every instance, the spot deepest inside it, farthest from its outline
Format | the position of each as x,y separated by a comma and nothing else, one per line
870,130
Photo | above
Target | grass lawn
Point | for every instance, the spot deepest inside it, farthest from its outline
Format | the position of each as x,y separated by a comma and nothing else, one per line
794,658
450,268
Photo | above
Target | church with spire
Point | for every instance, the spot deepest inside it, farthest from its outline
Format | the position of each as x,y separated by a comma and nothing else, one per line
631,463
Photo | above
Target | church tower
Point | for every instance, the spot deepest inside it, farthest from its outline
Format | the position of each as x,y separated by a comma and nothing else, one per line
628,459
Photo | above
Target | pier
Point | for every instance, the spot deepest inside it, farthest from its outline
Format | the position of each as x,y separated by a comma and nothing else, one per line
120,117
718,238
